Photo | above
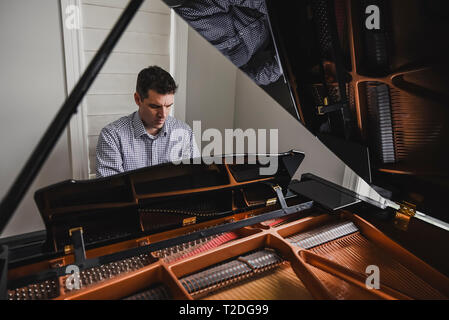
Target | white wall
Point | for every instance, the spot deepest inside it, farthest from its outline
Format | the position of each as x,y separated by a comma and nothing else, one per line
31,90
256,109
211,85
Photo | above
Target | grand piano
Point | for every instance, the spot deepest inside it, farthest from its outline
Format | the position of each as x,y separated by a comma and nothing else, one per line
374,92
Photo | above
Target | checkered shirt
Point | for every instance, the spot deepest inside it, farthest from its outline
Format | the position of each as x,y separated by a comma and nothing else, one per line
239,29
125,145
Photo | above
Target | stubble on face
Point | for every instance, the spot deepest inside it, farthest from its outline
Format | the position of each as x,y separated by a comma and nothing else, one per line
154,110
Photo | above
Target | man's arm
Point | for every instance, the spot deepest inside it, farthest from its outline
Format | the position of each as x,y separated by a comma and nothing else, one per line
258,5
196,9
265,73
109,157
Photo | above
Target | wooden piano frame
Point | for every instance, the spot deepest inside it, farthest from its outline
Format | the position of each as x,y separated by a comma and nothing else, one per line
252,238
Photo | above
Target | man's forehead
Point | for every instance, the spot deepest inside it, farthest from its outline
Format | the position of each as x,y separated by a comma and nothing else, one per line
160,99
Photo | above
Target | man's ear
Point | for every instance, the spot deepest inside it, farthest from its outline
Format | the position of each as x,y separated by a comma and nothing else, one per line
137,98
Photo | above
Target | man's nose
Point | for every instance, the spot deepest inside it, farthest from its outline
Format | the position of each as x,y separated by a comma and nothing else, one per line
163,112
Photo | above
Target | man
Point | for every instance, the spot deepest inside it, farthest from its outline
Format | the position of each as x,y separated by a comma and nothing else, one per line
239,29
149,136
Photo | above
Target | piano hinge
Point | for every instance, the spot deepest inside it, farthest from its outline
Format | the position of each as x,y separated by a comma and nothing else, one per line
68,249
271,202
403,215
77,247
188,221
280,196
75,229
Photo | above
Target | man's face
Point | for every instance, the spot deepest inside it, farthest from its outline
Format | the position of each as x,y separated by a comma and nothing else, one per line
154,109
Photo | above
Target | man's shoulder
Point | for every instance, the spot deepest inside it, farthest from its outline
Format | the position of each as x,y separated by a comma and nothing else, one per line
119,125
177,124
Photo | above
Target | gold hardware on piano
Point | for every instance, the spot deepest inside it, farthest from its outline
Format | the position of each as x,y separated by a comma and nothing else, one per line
68,249
271,202
403,215
325,104
75,229
188,221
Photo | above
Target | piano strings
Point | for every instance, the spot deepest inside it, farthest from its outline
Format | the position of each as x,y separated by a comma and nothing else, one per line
334,251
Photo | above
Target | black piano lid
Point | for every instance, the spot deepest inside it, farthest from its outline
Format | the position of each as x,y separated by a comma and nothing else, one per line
387,87
166,179
113,203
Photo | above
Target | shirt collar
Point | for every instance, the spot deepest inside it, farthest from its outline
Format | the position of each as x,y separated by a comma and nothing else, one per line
139,128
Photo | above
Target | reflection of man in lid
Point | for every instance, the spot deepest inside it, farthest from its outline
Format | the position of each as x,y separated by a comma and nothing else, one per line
149,136
239,29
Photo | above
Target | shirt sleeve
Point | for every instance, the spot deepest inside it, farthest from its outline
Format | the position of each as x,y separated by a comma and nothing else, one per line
199,9
258,5
265,73
109,158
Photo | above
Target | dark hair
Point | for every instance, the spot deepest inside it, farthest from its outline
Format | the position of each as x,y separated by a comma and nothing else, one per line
157,79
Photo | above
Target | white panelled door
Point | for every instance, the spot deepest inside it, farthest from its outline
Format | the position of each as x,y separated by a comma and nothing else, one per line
154,37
